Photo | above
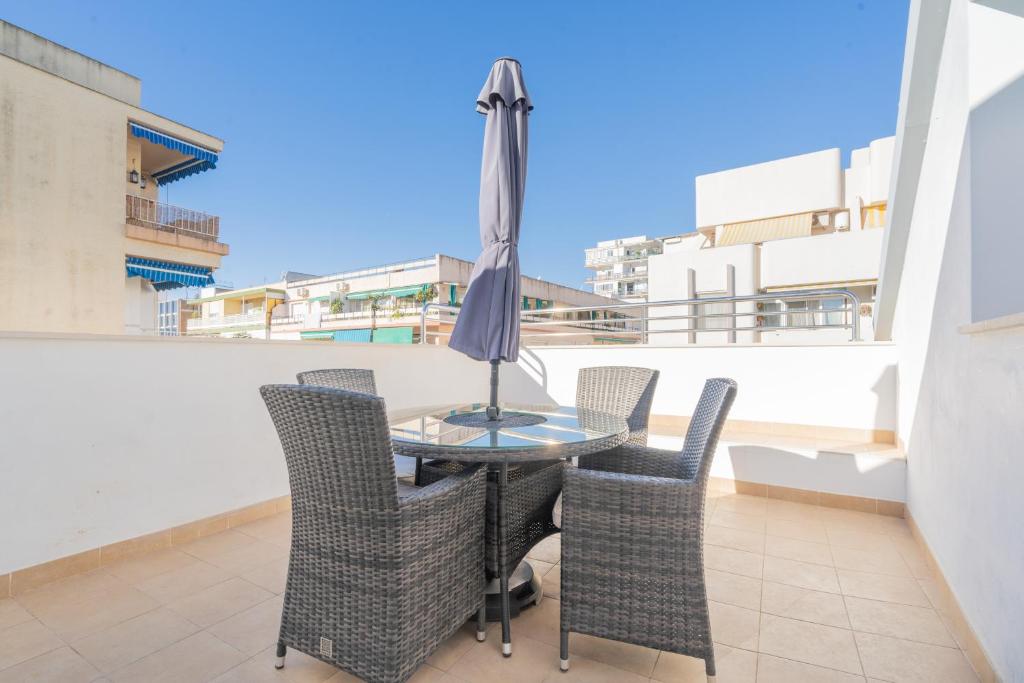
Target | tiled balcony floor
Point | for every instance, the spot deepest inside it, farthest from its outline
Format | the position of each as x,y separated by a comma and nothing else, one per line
798,593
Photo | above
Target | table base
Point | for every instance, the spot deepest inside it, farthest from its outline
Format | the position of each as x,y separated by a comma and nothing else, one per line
524,588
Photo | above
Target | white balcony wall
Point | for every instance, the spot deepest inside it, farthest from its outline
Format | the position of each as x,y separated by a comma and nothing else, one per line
962,386
822,259
809,182
109,438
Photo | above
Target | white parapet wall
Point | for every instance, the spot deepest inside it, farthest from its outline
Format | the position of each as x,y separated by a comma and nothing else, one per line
106,438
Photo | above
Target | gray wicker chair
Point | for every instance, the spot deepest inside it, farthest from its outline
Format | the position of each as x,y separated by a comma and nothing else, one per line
618,390
362,590
632,541
350,379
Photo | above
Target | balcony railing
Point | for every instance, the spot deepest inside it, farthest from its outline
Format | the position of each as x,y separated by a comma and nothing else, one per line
150,214
236,320
638,322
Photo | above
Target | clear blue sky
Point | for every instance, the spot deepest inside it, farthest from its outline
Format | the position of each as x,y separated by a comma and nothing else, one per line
352,140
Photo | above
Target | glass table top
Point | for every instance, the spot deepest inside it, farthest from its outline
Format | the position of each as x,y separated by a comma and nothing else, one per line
523,428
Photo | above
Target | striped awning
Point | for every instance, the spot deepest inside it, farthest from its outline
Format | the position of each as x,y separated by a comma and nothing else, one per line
754,232
200,160
167,275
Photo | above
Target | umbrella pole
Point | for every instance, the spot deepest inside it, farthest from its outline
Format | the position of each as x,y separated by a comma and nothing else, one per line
493,412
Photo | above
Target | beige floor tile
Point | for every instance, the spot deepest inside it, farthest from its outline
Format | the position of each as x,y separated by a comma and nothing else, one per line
272,576
732,665
921,624
530,661
777,670
882,561
549,550
427,674
540,622
843,537
802,574
892,659
62,665
218,602
452,649
903,590
812,531
826,646
133,639
914,557
803,604
625,656
254,629
217,545
795,549
797,512
750,541
540,567
148,565
747,505
733,560
738,520
79,615
179,583
12,613
734,589
734,626
73,588
552,582
241,560
200,657
269,528
24,641
588,671
298,668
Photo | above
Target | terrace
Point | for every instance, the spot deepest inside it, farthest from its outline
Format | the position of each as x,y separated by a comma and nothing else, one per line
862,513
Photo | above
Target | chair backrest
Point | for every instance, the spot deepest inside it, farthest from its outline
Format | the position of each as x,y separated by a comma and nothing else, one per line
622,391
705,427
337,446
350,379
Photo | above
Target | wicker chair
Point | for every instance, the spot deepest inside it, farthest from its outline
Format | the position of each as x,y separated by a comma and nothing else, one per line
350,379
362,590
632,541
622,391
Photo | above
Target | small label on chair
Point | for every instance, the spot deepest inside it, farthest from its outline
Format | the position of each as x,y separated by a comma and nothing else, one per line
326,647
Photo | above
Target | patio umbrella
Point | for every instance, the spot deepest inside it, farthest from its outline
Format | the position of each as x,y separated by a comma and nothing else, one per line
488,324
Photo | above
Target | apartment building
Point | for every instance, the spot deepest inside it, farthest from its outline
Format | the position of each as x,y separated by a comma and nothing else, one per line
85,242
378,304
796,224
620,267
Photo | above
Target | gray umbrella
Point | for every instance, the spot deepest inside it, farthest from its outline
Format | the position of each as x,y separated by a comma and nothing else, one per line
488,324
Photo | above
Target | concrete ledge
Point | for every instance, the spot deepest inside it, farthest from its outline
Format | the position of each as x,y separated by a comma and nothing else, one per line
677,424
1003,322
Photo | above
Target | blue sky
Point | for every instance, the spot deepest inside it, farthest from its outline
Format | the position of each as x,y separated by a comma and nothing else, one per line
352,140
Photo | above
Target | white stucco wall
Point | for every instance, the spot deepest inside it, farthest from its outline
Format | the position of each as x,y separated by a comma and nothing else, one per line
961,395
108,438
852,385
821,259
808,182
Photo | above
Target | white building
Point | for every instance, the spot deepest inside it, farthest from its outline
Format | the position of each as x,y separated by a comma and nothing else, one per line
799,223
620,267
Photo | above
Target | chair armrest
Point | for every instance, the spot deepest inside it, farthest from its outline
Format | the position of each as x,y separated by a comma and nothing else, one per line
635,460
469,482
616,494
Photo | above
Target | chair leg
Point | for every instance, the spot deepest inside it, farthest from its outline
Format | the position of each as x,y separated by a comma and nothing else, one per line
281,650
481,622
563,662
709,666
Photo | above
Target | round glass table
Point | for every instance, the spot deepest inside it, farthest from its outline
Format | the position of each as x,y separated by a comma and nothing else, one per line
521,440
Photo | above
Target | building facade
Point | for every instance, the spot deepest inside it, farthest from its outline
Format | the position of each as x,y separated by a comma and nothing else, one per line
620,267
377,304
799,223
82,228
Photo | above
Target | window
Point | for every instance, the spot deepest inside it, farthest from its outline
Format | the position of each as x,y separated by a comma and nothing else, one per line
710,315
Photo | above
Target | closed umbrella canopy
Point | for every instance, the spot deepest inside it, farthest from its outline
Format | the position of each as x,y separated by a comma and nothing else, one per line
488,324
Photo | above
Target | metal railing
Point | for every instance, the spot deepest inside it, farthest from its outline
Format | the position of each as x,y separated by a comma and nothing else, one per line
637,322
151,214
246,319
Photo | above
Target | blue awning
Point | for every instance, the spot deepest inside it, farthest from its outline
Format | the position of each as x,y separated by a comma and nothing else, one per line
201,159
167,275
